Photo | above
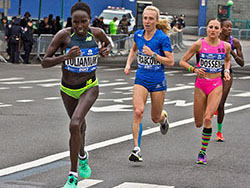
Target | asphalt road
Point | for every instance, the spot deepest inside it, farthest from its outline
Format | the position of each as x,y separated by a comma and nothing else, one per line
34,134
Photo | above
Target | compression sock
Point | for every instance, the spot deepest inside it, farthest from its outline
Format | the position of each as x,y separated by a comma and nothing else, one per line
205,138
219,127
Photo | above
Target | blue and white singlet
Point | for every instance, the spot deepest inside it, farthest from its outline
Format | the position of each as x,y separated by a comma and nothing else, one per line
148,67
87,61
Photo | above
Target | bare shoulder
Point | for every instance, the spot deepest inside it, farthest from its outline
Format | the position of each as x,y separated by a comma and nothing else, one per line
65,32
96,31
236,42
227,46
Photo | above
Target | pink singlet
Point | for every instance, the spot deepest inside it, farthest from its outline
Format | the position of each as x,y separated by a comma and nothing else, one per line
211,58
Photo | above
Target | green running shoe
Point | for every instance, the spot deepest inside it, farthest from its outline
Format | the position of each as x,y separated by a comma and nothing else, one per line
71,182
84,169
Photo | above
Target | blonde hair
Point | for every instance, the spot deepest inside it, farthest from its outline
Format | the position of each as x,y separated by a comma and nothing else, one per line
153,8
163,25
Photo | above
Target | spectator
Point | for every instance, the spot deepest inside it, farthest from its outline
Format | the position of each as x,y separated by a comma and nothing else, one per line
112,27
25,19
69,22
96,22
123,25
176,29
14,36
44,27
57,25
181,21
4,24
174,21
102,25
27,41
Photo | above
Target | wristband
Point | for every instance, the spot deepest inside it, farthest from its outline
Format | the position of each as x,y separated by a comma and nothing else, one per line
227,70
154,55
189,68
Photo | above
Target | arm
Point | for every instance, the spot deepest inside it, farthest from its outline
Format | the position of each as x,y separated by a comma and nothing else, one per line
227,62
106,47
167,60
131,57
195,48
239,56
57,42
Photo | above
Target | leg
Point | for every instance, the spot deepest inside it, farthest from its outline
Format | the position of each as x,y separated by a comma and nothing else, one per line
226,88
200,103
157,102
77,110
140,95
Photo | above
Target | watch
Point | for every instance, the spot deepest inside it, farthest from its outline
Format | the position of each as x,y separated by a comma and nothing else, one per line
227,70
154,55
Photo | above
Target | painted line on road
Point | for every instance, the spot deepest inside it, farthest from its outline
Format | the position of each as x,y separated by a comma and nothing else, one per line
138,185
31,81
62,155
10,79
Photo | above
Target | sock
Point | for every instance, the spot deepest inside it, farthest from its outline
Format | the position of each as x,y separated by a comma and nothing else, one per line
219,127
137,148
73,173
83,157
205,138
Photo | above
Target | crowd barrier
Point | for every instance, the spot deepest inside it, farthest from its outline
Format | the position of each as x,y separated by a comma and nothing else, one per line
121,44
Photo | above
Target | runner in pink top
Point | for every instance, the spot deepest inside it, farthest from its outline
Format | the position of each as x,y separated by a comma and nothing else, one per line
212,54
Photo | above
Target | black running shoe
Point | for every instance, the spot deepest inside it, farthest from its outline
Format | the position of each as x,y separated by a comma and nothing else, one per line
165,125
135,156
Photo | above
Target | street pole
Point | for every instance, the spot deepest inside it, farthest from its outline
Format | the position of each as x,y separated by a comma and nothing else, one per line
62,13
19,7
229,4
39,12
5,7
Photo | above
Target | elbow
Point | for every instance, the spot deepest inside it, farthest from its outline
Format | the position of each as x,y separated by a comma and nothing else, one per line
44,64
242,64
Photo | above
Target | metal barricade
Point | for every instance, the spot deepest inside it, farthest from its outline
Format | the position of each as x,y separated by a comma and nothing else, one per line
244,34
3,47
122,44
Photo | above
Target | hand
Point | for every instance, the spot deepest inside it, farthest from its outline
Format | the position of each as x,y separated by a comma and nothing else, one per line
127,69
200,72
73,52
104,51
227,76
146,50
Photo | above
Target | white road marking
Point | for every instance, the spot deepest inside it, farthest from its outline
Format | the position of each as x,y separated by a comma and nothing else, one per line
113,108
104,81
4,88
189,74
245,94
124,88
120,79
244,78
25,100
88,183
52,98
25,87
62,155
31,81
5,105
172,72
112,84
179,88
10,79
141,185
49,85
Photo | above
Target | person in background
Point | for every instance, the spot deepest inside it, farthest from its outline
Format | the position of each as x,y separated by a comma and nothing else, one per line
69,22
45,28
27,41
57,25
25,20
112,27
123,25
237,54
14,37
181,21
176,29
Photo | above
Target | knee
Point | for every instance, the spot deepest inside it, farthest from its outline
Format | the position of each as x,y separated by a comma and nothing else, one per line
156,119
198,124
138,112
74,126
208,119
